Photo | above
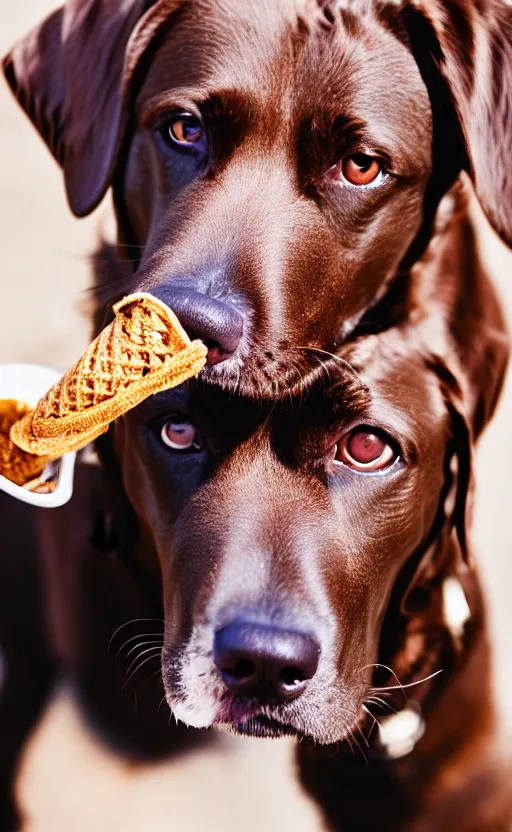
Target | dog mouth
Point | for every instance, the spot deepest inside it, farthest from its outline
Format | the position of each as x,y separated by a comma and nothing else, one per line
216,708
264,375
264,727
251,719
198,696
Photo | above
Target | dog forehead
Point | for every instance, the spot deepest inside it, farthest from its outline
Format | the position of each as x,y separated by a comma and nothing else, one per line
403,389
268,50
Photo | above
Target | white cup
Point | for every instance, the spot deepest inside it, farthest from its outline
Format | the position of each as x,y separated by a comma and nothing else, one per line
29,383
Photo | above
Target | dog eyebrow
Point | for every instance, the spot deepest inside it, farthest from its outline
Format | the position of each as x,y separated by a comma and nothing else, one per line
336,378
350,394
184,98
175,399
230,99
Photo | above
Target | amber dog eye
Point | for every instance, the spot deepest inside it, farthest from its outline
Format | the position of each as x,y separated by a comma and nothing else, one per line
180,436
364,450
360,169
185,130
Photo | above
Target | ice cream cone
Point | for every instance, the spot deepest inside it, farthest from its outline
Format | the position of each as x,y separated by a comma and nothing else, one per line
143,351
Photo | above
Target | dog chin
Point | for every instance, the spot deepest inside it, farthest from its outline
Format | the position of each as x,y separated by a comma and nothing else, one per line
262,726
193,716
258,725
247,722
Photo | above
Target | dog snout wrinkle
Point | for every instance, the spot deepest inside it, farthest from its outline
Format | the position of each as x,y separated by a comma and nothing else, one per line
264,661
219,324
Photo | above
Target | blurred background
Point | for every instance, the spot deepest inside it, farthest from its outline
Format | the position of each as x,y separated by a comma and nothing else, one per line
43,319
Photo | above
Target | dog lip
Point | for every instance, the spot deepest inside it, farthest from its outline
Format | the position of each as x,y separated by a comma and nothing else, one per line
216,355
251,720
265,727
237,712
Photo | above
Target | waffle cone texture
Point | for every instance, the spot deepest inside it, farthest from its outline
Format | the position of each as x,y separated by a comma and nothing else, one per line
18,466
143,351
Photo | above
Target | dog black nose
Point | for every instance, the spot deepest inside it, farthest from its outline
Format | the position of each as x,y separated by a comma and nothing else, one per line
263,661
220,325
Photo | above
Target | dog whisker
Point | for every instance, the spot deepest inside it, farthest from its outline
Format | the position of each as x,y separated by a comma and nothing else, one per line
158,642
410,684
363,737
361,751
384,667
136,670
154,650
383,694
365,708
324,367
134,638
349,741
337,358
376,700
133,621
153,676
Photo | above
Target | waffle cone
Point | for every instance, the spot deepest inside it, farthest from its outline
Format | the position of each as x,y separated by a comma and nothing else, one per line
143,351
18,466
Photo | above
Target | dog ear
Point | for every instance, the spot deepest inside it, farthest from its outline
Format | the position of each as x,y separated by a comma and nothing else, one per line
473,351
73,75
459,459
462,327
467,47
446,552
466,348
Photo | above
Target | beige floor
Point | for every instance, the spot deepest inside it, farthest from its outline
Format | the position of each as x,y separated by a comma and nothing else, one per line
68,783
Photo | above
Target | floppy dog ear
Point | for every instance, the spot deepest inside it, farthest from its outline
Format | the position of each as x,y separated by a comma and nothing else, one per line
474,349
459,460
470,45
446,552
72,76
463,330
466,347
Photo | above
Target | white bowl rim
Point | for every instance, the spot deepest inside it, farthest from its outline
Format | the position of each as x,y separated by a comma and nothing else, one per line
38,379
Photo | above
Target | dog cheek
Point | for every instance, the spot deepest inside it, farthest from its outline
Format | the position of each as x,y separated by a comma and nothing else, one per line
193,689
201,715
139,197
329,715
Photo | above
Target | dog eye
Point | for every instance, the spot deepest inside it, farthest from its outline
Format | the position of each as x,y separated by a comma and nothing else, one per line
180,436
364,450
360,169
185,130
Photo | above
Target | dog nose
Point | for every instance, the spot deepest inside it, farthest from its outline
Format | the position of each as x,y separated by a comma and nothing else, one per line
220,325
263,661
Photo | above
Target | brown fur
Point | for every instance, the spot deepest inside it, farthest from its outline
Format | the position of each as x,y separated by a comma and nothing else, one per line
352,314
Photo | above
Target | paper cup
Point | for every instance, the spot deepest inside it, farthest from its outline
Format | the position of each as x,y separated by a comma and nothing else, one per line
29,383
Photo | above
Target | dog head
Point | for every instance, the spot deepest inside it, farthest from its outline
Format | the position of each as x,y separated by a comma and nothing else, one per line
274,164
286,532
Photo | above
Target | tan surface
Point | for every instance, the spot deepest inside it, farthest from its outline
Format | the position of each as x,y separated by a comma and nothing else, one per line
68,783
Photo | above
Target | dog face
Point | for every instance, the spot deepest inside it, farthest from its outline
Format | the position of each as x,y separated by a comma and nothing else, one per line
274,164
284,163
269,195
285,532
281,532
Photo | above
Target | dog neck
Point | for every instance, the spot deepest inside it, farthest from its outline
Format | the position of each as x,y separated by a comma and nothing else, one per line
457,754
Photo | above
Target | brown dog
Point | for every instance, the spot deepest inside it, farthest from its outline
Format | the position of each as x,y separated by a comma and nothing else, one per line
262,157
274,164
303,550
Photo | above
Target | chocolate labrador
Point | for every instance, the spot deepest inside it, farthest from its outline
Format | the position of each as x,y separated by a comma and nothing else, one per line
282,568
274,165
301,533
